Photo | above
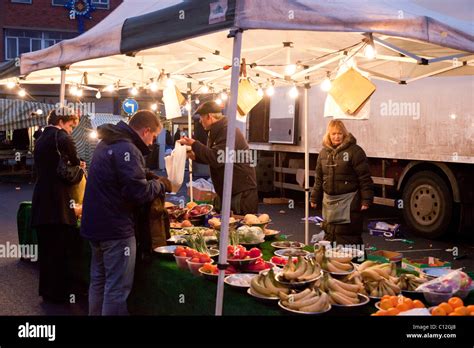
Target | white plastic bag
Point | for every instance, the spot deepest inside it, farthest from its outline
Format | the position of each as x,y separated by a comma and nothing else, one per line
175,166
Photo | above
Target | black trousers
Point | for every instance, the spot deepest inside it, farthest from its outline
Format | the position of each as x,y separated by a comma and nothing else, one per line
55,244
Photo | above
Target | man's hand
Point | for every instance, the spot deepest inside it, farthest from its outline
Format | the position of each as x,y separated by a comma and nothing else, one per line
191,155
166,182
186,141
364,207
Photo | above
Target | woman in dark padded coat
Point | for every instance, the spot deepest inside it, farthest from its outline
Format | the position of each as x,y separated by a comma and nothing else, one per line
342,171
53,214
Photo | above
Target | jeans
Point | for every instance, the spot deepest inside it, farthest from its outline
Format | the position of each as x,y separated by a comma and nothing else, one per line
112,270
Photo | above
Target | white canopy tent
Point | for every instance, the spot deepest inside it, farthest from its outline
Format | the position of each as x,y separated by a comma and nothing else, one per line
188,42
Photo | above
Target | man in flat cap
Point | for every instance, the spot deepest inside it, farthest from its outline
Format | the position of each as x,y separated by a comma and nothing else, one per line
244,183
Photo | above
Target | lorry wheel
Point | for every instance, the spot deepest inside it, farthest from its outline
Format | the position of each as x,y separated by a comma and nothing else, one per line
428,205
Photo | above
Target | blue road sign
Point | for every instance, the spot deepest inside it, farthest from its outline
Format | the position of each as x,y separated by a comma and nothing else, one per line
130,106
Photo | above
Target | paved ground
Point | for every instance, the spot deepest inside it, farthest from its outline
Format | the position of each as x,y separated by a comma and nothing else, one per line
19,279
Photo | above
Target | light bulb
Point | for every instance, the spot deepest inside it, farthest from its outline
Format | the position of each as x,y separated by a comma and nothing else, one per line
218,101
188,107
224,96
22,92
98,95
153,86
10,84
79,93
73,90
93,134
170,82
326,85
270,91
196,101
154,106
109,88
294,92
134,90
290,69
370,52
205,89
260,92
39,112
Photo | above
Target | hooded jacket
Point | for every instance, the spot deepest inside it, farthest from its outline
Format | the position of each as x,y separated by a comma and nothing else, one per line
116,184
341,170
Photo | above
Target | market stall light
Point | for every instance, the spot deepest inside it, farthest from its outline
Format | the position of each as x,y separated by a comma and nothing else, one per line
73,90
11,84
133,90
294,92
109,88
79,93
270,91
188,107
22,92
93,134
369,51
205,89
154,106
218,101
39,112
153,86
196,101
260,92
98,95
326,84
224,96
290,69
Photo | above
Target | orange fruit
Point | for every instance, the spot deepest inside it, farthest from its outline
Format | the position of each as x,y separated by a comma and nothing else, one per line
408,302
454,314
384,297
470,308
455,302
438,311
393,311
447,307
418,304
394,300
386,304
461,311
402,307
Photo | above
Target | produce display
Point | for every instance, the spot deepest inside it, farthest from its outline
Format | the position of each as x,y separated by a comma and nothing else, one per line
410,282
453,307
285,244
266,285
334,262
303,270
216,222
339,292
251,219
212,269
250,235
379,279
394,305
291,252
239,252
307,301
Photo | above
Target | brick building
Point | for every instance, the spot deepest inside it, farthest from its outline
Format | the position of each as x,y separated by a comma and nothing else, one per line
30,25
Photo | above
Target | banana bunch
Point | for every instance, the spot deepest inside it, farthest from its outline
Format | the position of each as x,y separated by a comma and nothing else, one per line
306,301
339,292
267,286
410,282
379,279
303,270
333,261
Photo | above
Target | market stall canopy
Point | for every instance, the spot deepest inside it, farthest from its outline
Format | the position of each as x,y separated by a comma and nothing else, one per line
19,114
187,40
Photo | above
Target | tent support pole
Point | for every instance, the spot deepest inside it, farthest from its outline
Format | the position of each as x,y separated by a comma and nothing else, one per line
190,135
306,168
229,167
62,91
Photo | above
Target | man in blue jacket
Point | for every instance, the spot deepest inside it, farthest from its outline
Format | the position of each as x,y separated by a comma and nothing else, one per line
117,184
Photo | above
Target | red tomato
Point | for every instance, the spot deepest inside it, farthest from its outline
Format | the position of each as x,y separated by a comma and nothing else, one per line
182,254
195,259
254,252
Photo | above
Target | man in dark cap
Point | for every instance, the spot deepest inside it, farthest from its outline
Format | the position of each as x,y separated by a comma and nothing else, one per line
244,184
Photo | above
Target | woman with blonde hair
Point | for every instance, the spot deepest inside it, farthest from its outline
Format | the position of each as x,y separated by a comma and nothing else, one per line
343,186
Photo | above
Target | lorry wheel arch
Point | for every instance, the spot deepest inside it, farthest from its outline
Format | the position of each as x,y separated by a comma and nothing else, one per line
415,166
